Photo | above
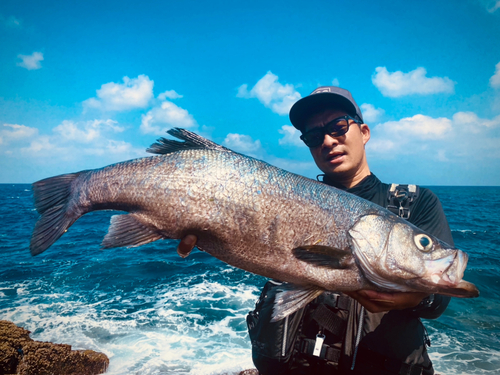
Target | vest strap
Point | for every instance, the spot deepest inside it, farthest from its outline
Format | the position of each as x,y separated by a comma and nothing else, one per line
329,320
327,353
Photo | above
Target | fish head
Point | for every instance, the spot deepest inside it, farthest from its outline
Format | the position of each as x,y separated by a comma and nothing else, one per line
395,255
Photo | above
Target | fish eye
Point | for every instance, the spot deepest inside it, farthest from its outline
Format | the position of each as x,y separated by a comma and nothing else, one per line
423,242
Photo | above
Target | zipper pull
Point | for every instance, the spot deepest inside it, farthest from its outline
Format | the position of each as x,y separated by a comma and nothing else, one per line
320,338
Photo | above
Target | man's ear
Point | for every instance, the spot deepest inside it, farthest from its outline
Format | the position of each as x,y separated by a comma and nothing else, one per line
365,132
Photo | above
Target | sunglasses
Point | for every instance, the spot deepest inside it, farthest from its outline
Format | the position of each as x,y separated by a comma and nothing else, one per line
335,128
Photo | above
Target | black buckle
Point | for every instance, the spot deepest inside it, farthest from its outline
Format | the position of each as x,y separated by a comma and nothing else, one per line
338,301
400,197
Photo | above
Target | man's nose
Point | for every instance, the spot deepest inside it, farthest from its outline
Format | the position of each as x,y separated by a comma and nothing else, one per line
330,141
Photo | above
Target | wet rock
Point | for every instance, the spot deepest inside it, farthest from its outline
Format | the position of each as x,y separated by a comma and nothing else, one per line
252,371
19,354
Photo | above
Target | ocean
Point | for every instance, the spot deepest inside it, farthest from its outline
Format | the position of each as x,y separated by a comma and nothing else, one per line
152,312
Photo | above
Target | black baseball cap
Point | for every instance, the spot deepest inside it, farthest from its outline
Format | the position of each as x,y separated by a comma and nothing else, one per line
321,98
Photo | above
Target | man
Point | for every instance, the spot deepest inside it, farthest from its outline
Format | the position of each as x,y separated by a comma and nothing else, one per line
373,332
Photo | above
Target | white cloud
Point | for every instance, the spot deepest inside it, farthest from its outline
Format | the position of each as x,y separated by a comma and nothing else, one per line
12,135
243,92
159,119
169,94
465,137
370,113
11,22
243,144
70,146
69,140
336,82
495,79
110,146
132,94
279,98
472,123
415,82
379,145
119,147
493,6
31,62
290,136
42,146
85,132
418,127
14,132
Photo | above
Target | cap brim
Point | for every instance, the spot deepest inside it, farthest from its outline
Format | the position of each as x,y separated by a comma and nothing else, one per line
305,107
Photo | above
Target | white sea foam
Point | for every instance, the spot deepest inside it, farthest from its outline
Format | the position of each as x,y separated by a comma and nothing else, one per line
195,329
454,352
192,326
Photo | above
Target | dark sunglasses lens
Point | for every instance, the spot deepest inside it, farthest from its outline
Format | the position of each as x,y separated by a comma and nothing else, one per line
337,128
314,138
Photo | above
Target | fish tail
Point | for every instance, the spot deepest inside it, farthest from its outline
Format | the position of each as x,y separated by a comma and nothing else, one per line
52,200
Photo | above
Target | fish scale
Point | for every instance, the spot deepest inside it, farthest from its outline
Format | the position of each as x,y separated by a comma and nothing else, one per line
253,216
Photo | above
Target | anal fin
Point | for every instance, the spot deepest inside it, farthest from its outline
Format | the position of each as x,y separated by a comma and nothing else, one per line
128,231
292,298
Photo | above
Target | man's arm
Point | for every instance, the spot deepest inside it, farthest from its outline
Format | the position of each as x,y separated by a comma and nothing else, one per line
422,305
376,302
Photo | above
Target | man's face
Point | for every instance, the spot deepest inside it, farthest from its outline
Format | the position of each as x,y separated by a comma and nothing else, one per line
342,158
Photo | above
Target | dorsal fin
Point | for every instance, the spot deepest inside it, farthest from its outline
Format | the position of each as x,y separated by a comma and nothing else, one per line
191,141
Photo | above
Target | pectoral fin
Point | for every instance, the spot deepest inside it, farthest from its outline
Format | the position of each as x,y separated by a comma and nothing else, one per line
128,231
291,298
325,256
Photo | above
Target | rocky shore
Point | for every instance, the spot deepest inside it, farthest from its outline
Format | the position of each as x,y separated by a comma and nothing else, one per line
21,355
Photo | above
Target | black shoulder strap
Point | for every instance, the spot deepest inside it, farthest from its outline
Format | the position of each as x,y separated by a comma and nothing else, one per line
400,199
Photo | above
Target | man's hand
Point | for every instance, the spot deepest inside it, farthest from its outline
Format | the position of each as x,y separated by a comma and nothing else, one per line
376,302
186,245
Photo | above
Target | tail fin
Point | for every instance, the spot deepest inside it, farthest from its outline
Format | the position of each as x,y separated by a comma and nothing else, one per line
52,197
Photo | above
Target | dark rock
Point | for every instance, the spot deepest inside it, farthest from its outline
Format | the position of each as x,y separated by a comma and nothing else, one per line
19,354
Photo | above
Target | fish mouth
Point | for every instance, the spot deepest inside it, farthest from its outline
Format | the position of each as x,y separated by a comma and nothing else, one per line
447,271
446,275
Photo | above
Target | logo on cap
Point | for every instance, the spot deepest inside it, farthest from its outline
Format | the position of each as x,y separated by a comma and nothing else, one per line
322,89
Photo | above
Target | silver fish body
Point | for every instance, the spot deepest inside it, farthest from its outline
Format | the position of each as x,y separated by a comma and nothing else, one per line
253,216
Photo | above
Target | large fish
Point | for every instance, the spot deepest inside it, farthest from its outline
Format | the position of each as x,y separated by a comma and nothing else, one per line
253,216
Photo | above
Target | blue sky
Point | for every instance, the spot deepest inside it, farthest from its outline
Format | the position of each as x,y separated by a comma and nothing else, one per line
89,84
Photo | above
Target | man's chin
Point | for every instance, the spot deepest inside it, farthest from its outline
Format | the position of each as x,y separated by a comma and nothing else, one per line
335,170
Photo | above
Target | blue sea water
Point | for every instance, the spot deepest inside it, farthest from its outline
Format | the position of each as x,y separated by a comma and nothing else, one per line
152,312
